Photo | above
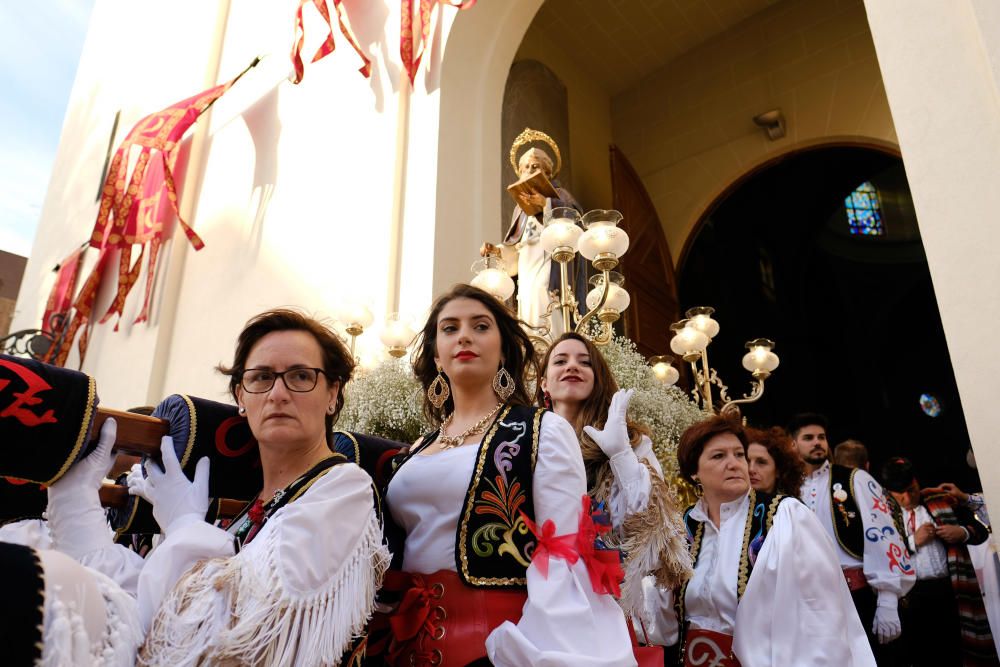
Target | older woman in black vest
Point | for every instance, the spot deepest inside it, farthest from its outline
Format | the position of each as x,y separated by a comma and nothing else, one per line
488,517
767,588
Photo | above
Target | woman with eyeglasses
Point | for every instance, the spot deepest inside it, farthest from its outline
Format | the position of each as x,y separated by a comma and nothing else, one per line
487,516
293,579
622,471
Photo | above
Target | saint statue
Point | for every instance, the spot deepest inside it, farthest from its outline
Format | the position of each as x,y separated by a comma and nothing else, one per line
537,275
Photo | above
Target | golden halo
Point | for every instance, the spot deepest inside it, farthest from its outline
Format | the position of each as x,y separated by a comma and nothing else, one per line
528,136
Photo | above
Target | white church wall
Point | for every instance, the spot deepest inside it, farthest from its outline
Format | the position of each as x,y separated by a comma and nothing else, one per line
939,65
294,196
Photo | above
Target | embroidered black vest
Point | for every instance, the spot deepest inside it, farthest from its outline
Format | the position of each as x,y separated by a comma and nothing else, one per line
760,517
493,545
848,525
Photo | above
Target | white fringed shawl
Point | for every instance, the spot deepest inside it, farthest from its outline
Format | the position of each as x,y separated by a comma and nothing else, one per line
283,600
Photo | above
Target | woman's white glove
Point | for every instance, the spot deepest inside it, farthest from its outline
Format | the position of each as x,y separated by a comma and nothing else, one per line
613,439
176,500
886,626
76,518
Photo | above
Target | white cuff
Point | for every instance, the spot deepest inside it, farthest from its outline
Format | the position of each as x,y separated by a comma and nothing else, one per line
626,466
888,599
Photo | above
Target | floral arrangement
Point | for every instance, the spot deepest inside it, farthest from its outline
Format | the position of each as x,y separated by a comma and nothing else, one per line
387,401
667,411
384,401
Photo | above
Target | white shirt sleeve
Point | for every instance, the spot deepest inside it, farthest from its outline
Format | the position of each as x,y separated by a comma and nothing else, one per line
564,623
297,594
630,487
886,564
797,609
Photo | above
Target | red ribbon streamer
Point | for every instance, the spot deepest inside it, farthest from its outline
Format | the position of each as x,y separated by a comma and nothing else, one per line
328,45
414,31
134,214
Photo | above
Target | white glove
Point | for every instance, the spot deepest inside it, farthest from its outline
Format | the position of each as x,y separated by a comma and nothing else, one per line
176,500
614,438
886,626
136,481
76,518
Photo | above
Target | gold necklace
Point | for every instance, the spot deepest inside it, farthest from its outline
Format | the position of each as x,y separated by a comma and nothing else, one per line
451,441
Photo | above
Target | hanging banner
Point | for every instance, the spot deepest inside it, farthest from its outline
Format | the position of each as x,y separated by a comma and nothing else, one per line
415,30
56,315
134,207
328,45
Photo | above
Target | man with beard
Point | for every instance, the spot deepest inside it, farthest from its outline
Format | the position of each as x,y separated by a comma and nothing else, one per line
856,514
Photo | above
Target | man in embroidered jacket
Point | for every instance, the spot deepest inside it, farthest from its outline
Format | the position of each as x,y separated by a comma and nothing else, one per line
856,514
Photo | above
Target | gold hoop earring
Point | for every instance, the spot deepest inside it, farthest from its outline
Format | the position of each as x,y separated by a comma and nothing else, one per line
438,391
698,488
503,384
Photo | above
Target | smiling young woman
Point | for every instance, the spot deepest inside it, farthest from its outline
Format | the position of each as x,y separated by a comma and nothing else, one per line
622,471
474,508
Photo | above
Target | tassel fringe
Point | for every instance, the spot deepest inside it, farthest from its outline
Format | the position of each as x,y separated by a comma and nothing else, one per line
256,621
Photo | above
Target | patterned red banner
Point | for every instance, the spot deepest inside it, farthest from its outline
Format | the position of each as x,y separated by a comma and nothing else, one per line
415,30
328,45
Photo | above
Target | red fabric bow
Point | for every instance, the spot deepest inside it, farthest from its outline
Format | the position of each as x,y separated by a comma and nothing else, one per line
603,565
563,546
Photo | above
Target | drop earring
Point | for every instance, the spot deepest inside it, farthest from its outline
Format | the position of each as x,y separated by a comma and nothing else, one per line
503,384
438,391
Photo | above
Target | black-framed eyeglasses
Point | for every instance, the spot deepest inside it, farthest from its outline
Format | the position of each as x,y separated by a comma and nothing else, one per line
260,380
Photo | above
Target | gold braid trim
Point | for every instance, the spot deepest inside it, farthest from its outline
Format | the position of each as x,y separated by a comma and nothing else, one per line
679,600
741,582
81,436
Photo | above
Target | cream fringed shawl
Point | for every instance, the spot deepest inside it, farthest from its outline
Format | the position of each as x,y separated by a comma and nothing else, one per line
298,594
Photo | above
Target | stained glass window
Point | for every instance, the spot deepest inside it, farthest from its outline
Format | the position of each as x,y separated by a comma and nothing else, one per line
864,211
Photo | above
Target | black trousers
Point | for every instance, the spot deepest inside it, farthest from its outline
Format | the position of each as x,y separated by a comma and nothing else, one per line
931,630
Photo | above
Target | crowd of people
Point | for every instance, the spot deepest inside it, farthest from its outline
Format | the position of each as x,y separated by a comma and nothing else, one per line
522,529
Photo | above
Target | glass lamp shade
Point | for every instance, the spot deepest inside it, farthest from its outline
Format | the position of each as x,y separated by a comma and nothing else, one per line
701,319
688,340
397,333
561,230
603,236
491,277
355,314
618,299
664,371
760,358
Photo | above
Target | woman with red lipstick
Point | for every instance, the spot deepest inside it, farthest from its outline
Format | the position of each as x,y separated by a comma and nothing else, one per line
293,579
493,551
622,471
767,588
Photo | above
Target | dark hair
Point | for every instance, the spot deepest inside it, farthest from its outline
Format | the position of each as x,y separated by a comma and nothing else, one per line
897,474
851,453
338,365
803,419
790,467
595,408
693,440
516,350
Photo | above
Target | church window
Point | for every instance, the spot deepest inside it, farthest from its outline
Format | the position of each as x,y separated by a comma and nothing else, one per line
864,211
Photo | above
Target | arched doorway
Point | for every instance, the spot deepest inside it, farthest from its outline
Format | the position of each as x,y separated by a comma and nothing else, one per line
853,314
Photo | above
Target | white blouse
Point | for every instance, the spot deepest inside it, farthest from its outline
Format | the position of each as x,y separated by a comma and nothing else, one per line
796,609
563,621
296,595
630,487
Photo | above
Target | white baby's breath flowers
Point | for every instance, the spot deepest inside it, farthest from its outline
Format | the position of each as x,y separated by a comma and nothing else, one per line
385,401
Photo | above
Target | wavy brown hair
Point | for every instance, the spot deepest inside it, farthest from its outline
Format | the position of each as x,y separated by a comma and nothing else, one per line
594,411
789,466
516,350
